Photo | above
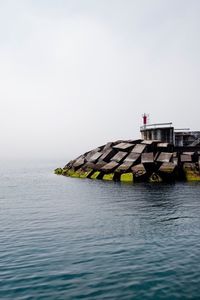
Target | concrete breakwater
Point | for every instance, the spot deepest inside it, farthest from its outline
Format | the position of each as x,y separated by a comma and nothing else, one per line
136,161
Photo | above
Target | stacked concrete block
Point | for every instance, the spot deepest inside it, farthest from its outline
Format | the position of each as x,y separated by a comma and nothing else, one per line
119,157
134,161
110,166
164,157
138,171
124,146
139,148
147,158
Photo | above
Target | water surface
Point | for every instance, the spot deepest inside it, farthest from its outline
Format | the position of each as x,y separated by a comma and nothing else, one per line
65,238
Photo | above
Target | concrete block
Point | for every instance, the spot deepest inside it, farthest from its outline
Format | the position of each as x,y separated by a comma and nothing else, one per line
162,145
167,167
58,171
110,166
107,154
175,161
73,173
107,146
95,156
79,162
85,174
95,175
132,157
99,164
126,177
147,142
164,157
119,156
138,170
108,177
70,164
188,153
147,157
91,153
189,166
139,148
186,158
88,165
155,178
125,166
138,141
191,172
123,146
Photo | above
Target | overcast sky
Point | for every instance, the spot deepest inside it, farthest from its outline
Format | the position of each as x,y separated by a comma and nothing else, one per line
75,74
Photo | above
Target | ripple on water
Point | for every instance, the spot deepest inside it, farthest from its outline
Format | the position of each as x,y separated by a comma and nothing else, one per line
63,238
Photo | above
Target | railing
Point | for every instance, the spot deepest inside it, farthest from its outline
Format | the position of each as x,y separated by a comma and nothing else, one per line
158,125
181,129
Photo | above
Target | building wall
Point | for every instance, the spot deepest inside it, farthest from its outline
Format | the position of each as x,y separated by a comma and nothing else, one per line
162,134
168,135
187,138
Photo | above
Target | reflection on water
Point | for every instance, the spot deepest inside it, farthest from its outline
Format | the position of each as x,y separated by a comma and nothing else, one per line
65,238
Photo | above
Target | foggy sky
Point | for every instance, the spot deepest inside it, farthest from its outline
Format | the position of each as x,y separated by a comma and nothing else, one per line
76,74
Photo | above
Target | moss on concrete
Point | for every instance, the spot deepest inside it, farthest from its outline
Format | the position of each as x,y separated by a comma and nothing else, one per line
108,176
65,172
73,173
58,171
192,176
191,172
126,177
155,178
95,175
85,174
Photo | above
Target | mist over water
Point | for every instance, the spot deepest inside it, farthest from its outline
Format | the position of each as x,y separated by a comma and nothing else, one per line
77,74
65,238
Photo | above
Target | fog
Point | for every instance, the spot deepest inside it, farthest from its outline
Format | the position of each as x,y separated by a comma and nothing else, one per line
76,74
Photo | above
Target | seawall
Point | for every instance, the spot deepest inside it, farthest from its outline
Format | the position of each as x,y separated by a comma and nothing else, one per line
136,161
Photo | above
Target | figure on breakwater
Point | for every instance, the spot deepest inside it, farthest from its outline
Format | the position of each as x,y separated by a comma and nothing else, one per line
163,154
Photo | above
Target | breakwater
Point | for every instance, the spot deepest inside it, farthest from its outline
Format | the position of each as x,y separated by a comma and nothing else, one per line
136,161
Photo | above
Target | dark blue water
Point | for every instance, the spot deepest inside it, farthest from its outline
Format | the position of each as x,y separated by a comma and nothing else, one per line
64,238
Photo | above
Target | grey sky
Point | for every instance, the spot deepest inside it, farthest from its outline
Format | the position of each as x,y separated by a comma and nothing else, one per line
76,74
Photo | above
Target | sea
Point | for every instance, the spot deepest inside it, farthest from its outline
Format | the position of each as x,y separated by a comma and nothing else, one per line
67,238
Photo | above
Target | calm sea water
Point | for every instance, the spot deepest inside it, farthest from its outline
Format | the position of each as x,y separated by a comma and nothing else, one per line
64,238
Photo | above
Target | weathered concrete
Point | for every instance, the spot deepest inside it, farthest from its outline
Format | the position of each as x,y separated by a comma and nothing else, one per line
164,157
126,177
119,156
139,148
123,146
147,157
125,166
167,167
136,161
110,166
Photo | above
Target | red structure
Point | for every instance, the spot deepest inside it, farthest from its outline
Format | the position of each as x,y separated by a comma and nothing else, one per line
144,119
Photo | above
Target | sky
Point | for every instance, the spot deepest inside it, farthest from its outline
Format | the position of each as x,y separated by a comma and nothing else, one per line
75,74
